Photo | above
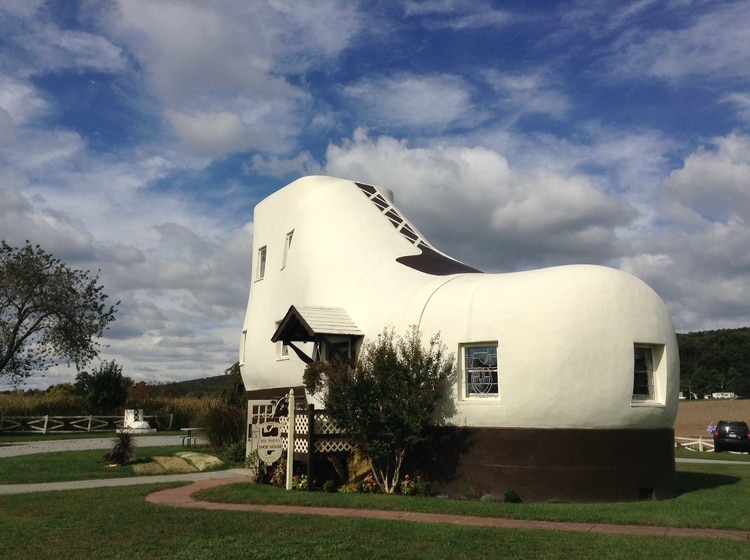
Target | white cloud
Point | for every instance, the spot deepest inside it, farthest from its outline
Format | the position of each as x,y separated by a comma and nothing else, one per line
220,68
456,14
301,164
20,101
712,186
742,102
415,102
472,204
695,254
526,93
713,43
213,134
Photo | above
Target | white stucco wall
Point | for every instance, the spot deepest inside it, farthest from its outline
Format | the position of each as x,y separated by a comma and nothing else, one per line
565,335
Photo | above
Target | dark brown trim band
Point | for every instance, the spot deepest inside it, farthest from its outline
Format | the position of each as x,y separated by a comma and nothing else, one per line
567,465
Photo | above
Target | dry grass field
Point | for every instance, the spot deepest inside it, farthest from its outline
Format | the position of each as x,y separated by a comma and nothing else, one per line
693,417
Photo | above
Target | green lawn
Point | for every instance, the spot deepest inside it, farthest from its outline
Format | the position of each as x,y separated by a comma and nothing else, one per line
76,465
119,523
711,496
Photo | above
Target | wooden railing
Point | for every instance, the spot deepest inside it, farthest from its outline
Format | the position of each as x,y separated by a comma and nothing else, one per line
61,424
695,444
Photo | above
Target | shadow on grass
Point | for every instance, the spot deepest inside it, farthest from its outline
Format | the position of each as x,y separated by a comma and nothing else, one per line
692,482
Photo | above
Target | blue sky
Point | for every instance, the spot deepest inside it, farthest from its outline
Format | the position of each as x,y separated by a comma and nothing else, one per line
137,136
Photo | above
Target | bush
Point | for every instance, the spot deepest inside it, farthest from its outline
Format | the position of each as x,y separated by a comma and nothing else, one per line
223,426
511,497
233,453
122,450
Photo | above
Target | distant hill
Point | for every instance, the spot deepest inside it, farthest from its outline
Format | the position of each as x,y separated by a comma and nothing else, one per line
204,387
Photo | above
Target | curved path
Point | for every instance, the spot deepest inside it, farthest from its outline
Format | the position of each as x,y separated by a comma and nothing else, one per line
182,497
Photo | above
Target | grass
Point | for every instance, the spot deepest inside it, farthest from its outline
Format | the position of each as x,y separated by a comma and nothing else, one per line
75,465
711,496
119,523
711,456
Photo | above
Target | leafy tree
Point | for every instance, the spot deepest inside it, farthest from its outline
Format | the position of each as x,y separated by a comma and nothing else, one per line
385,400
105,389
224,423
47,312
233,391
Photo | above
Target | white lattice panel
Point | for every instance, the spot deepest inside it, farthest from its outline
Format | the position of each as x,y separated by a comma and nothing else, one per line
301,424
331,445
324,425
300,445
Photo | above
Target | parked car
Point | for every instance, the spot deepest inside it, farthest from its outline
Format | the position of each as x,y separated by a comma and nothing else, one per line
731,436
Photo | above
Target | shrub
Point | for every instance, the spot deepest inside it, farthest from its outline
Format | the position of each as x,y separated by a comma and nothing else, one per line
299,482
233,452
368,485
417,486
123,449
511,497
223,426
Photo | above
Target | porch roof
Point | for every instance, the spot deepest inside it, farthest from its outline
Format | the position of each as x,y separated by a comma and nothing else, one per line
303,323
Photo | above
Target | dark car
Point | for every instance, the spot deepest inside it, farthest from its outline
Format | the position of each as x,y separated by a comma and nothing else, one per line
731,436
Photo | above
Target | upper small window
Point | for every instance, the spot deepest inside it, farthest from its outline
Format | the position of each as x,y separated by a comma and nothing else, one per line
243,343
480,371
261,264
282,350
643,373
287,247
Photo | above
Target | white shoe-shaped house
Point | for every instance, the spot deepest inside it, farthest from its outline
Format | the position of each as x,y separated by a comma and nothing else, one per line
567,384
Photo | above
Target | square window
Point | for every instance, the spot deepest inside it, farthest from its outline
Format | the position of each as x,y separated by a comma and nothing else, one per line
480,371
260,270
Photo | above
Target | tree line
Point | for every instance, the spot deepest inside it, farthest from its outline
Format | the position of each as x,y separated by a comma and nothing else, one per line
715,361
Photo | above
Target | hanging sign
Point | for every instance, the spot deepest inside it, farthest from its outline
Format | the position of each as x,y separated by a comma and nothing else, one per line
270,443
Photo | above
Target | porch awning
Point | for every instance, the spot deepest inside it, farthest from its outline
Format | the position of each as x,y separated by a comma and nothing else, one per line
303,324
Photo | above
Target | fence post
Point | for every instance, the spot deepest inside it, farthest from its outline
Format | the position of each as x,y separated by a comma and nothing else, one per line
46,421
310,443
290,442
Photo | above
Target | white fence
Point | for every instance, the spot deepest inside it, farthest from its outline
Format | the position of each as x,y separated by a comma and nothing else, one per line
695,444
61,424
